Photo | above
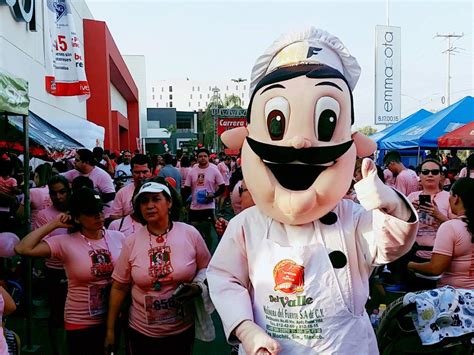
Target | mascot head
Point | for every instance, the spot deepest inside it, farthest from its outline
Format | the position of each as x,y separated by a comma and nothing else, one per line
298,152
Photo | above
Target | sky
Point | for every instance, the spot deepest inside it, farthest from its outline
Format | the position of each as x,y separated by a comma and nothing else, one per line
221,40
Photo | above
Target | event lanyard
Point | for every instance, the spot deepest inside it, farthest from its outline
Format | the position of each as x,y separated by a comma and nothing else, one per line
160,238
91,246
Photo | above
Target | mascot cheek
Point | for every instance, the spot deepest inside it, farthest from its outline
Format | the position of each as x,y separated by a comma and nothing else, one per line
365,145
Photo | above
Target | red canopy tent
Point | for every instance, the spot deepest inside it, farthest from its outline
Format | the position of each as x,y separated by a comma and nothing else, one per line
463,137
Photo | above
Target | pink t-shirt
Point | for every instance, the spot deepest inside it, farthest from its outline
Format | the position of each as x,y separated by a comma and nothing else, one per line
463,173
154,313
429,225
122,204
102,181
44,217
3,342
127,227
184,174
453,239
202,180
225,172
406,182
88,274
39,200
7,185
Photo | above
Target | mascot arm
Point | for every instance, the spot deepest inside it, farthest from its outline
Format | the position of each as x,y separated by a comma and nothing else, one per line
228,279
389,223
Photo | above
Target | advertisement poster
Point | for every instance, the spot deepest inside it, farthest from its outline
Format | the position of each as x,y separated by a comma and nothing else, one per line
67,75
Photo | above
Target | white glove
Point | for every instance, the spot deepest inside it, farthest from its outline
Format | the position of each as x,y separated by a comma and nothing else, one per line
372,193
255,341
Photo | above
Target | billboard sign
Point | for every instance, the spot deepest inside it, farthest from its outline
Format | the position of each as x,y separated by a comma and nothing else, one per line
226,123
387,74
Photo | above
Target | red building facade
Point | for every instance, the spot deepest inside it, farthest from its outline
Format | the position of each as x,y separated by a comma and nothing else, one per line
105,66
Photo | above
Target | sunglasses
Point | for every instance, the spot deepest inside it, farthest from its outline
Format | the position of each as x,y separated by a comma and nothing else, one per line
432,171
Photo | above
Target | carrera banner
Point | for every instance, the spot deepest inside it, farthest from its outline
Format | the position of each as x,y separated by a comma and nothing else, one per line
224,124
66,64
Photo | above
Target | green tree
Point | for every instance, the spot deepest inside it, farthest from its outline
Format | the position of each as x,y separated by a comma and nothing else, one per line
367,130
207,124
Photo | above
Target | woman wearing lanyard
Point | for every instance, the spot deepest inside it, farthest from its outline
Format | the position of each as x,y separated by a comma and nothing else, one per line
453,251
432,203
88,253
164,264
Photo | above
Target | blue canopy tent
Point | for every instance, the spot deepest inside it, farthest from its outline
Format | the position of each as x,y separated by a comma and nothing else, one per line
378,137
425,133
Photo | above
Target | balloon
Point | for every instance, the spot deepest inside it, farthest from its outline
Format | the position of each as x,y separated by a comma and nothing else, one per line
8,241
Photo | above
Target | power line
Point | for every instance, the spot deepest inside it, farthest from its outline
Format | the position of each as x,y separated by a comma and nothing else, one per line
449,51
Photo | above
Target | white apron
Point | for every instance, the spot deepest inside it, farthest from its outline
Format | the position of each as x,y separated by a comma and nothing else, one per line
297,301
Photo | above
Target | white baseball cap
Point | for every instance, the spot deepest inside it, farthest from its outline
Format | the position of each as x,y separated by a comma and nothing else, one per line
152,187
311,46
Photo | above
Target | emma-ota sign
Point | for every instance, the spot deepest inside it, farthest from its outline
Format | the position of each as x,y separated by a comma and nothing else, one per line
66,65
387,74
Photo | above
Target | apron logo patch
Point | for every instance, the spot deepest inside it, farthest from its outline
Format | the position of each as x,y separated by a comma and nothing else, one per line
289,277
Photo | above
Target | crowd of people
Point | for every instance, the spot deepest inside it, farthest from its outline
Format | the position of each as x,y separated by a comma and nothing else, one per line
127,239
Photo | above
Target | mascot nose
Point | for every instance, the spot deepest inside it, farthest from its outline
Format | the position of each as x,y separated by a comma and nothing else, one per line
299,142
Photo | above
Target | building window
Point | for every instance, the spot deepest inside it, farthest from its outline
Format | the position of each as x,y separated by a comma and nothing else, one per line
245,87
227,87
193,88
152,97
152,89
199,104
191,96
166,105
162,88
171,88
157,104
189,104
242,95
200,96
198,88
210,89
171,97
208,96
161,97
171,103
243,103
237,87
207,103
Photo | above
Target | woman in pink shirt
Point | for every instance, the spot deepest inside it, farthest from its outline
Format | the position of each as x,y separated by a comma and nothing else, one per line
453,252
164,265
88,253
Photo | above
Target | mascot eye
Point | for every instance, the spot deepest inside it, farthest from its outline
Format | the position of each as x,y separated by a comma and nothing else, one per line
326,115
277,110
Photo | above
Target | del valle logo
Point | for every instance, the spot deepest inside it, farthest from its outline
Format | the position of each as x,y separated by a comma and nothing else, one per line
289,277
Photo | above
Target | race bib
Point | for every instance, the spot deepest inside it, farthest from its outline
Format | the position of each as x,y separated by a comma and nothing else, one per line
98,299
162,310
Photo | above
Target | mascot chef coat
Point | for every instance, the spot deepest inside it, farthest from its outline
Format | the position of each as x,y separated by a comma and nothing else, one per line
290,275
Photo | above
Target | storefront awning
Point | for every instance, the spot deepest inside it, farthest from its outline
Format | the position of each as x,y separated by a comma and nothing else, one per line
46,141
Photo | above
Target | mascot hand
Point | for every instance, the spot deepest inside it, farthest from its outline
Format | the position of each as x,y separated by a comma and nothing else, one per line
372,193
255,341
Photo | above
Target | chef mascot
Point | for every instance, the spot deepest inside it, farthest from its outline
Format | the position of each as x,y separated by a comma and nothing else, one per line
291,274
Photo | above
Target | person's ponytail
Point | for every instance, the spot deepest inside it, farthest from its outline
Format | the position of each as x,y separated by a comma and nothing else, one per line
464,188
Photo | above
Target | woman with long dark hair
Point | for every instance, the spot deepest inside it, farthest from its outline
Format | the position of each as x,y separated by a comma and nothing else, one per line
88,253
452,252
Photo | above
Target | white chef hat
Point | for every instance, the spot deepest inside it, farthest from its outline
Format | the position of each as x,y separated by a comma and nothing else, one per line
311,46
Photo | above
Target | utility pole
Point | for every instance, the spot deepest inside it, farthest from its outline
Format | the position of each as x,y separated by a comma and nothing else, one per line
451,49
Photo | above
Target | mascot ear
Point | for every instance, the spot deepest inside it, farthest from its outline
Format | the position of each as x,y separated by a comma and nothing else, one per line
365,146
234,138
